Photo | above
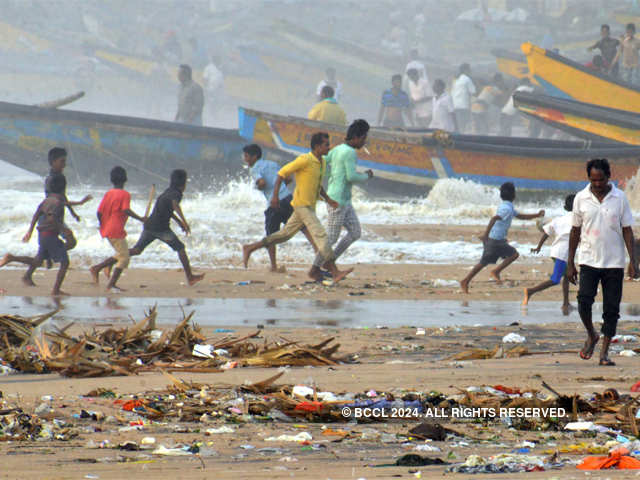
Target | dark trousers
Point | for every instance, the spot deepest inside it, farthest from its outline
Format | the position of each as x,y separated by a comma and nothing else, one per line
611,280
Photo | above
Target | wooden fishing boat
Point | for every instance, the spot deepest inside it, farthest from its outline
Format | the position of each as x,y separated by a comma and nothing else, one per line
148,149
581,119
415,159
564,78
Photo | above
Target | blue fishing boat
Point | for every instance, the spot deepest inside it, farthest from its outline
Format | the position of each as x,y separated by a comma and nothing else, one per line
148,149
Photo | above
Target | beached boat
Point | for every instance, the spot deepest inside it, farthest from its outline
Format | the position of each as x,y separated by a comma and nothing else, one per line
417,159
148,149
564,78
581,119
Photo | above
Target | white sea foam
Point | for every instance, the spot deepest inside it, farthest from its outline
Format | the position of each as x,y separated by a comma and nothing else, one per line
222,221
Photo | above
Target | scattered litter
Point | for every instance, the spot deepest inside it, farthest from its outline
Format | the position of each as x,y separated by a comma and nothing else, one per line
513,338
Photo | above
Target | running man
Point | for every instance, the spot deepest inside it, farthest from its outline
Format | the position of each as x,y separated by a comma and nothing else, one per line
309,170
342,160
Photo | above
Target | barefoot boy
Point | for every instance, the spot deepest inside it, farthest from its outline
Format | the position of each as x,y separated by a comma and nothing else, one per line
265,173
309,170
157,225
113,212
560,228
494,238
50,247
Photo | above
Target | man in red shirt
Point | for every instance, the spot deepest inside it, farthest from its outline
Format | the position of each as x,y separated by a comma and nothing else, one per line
113,213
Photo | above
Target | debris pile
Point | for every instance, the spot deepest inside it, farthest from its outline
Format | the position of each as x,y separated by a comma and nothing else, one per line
142,347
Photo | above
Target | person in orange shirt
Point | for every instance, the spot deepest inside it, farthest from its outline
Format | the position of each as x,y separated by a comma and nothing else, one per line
113,213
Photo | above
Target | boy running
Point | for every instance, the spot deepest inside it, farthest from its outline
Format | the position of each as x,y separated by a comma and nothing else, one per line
156,227
494,238
560,228
113,213
309,170
48,215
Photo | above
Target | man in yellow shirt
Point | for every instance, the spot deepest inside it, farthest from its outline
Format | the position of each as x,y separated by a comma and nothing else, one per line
309,170
328,110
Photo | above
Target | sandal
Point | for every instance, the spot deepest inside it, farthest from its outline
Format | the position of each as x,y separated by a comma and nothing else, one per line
589,351
607,363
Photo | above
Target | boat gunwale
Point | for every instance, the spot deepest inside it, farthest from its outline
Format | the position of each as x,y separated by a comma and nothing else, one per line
621,118
13,110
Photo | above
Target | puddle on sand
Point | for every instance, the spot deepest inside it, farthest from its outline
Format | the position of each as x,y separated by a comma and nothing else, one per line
299,312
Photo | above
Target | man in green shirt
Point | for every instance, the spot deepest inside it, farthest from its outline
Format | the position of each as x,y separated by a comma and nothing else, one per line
342,161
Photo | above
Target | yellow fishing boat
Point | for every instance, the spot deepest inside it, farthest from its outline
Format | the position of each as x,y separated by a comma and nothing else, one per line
512,64
567,79
581,119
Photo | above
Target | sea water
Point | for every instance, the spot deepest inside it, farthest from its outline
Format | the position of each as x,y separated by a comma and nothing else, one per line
223,219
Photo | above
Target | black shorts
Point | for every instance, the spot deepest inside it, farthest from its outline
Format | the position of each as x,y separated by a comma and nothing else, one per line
167,236
50,247
274,217
495,249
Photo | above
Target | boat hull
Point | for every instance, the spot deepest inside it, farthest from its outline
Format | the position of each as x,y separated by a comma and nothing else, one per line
581,119
148,149
420,158
567,79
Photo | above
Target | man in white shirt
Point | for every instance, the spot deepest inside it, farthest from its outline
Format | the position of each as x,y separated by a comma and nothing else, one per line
442,117
602,221
560,229
330,80
509,112
414,64
420,93
461,92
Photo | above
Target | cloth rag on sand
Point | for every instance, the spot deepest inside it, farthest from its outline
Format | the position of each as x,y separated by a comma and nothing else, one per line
618,458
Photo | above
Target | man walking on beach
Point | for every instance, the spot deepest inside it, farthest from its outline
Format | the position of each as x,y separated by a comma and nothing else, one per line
309,170
461,92
342,161
602,221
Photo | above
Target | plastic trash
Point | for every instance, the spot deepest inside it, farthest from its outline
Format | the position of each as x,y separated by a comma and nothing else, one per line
513,338
202,351
148,441
579,426
171,452
299,438
223,429
302,390
628,353
636,387
421,331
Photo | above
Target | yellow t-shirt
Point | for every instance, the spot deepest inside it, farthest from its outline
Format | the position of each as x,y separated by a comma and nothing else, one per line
328,111
309,172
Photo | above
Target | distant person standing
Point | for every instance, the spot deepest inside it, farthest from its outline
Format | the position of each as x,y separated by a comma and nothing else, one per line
509,112
461,92
608,48
629,51
421,96
602,221
414,64
343,175
394,105
328,110
443,115
331,81
190,98
490,97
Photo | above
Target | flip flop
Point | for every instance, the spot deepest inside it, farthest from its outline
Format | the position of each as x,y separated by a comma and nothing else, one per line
589,354
605,362
326,274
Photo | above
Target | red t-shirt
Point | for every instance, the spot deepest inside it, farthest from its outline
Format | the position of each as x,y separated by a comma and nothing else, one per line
112,210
